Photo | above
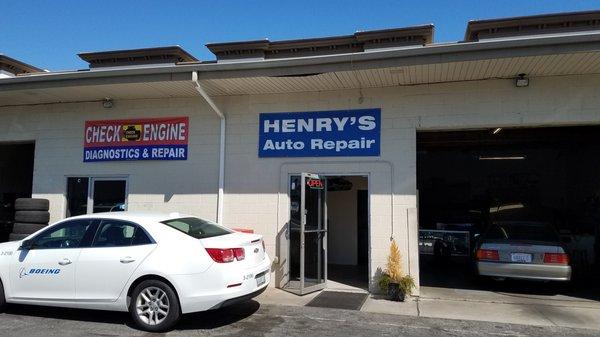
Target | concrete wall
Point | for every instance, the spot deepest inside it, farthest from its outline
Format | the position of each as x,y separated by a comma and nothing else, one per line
551,101
342,240
256,188
57,129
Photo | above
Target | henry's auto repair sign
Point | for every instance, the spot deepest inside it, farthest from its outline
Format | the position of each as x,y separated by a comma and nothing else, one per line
136,139
338,133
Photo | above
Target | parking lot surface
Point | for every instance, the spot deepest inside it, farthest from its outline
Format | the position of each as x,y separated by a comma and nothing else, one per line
254,319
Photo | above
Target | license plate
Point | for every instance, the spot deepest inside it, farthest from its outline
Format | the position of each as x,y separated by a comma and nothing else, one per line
260,279
520,257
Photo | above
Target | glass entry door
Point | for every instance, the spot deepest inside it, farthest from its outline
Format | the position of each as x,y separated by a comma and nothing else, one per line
307,234
108,195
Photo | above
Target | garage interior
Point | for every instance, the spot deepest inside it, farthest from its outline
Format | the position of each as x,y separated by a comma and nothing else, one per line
348,232
465,177
16,179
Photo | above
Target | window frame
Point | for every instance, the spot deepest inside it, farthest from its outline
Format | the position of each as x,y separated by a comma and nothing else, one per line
136,227
92,228
165,223
90,189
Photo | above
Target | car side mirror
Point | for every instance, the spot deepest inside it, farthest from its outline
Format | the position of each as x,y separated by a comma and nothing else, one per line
26,245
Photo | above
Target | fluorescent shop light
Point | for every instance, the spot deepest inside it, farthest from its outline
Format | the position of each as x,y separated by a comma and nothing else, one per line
502,158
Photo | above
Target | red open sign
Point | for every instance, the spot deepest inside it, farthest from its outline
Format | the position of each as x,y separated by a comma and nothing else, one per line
315,183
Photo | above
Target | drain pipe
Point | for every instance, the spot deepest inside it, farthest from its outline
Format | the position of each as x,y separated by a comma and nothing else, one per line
221,115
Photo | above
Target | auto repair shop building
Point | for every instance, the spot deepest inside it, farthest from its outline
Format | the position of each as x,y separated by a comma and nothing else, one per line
412,138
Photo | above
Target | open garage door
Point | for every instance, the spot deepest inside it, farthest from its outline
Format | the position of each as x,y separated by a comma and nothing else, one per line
16,176
525,200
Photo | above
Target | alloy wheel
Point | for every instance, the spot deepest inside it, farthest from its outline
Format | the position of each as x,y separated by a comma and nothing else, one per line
152,305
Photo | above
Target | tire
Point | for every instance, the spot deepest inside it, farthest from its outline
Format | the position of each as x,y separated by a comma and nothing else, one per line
32,204
26,228
2,298
39,217
156,288
16,237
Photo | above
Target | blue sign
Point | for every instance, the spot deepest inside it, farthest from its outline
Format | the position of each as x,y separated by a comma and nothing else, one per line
148,152
341,133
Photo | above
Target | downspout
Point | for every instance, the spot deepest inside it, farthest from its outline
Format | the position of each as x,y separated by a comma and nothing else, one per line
221,115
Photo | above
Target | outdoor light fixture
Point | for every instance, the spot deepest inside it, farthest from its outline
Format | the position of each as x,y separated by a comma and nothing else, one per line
521,81
502,157
107,103
496,130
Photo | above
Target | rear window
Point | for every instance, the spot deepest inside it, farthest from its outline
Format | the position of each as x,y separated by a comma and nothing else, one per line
197,228
522,231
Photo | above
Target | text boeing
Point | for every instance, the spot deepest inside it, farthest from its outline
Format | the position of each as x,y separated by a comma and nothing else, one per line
322,133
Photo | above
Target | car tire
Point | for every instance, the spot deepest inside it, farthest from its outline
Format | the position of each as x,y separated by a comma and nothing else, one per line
2,298
149,316
27,228
32,204
39,217
17,237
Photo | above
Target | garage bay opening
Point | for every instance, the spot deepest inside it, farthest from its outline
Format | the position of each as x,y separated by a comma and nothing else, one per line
16,177
519,206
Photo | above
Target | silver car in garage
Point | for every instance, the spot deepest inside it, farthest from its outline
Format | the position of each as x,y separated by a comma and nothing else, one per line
522,250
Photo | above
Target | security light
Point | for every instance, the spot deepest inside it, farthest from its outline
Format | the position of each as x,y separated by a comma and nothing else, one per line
107,103
496,130
521,81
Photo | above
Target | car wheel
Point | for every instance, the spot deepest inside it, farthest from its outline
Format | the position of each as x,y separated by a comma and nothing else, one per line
31,204
2,298
17,237
26,228
40,217
154,306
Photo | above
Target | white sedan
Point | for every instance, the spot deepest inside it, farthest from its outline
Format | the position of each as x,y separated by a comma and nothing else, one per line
156,266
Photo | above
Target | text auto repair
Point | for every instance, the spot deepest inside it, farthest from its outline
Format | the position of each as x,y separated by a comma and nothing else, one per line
321,133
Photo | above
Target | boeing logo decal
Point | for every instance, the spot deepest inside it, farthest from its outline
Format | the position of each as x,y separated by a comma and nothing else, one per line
38,271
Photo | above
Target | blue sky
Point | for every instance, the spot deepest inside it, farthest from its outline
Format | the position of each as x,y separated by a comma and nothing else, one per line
50,33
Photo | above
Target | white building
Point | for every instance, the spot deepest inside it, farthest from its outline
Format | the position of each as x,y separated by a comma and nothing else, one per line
429,96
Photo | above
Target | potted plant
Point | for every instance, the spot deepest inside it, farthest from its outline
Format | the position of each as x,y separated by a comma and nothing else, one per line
392,280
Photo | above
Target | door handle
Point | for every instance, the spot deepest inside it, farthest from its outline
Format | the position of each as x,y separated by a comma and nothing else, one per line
64,262
127,259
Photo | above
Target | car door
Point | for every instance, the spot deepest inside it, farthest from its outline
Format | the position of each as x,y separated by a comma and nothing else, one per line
46,269
104,268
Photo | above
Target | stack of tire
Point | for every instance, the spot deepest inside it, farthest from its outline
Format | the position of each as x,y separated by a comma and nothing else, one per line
31,215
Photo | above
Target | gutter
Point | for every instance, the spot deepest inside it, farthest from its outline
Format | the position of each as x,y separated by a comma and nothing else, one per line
221,115
549,44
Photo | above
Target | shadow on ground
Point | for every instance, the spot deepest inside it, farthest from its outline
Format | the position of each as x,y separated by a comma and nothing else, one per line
196,321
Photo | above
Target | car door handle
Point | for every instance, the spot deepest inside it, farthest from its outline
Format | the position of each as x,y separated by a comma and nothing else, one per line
127,259
64,262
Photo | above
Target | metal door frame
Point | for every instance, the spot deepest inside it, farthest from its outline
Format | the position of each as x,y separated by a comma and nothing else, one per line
303,290
93,179
322,241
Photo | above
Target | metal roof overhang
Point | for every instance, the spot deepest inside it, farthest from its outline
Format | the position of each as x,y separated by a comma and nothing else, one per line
548,55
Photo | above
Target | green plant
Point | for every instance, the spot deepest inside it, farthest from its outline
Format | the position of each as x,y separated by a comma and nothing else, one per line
407,283
384,280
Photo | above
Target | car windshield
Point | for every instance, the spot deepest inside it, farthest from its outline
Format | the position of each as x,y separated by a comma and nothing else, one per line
197,228
521,231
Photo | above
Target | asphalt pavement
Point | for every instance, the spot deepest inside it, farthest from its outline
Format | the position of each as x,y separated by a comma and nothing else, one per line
254,319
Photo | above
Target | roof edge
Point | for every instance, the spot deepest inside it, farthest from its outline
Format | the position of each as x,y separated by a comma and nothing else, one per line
17,67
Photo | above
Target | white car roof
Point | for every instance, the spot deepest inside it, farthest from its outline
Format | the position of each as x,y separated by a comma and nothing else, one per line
135,216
